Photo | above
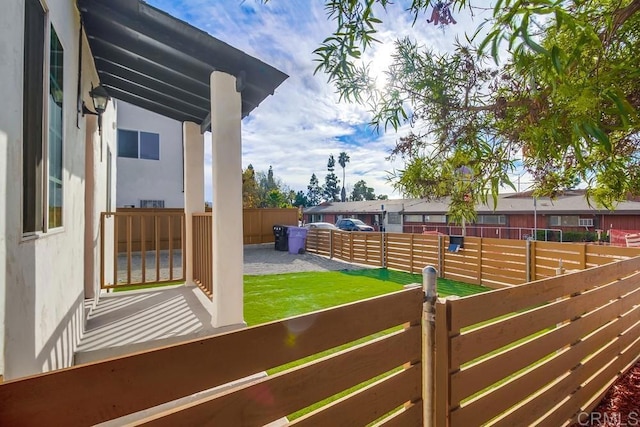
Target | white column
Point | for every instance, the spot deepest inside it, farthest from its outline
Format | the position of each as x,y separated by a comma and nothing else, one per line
226,141
193,147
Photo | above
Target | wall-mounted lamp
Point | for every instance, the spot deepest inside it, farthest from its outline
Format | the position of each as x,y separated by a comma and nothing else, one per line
100,98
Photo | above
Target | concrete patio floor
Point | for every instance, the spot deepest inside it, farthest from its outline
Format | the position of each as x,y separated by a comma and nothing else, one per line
127,322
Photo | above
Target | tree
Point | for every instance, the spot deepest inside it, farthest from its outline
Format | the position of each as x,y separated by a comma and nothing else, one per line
250,196
362,192
330,189
301,200
314,191
343,159
552,88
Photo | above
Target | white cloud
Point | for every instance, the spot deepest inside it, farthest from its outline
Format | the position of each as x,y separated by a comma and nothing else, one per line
297,128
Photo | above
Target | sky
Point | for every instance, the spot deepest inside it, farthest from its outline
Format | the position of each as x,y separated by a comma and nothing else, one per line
296,129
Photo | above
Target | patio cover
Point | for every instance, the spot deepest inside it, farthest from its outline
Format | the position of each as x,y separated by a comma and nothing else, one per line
151,59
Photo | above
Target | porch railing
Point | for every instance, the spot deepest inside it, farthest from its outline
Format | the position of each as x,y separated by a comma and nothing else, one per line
140,247
201,252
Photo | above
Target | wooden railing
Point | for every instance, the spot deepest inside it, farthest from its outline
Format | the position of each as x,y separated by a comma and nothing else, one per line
201,252
538,354
148,247
98,392
491,262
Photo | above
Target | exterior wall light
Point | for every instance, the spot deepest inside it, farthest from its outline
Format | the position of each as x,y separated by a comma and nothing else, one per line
100,98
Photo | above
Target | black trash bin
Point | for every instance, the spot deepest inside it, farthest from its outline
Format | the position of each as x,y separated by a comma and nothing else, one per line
281,238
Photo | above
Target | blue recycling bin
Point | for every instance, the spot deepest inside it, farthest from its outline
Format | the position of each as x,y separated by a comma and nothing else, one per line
297,239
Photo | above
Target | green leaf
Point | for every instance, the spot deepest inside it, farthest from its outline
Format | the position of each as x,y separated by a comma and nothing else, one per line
555,59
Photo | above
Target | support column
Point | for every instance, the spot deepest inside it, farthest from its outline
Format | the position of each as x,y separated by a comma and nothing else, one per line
226,141
193,148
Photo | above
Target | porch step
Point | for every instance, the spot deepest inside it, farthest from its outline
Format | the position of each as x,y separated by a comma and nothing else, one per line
122,323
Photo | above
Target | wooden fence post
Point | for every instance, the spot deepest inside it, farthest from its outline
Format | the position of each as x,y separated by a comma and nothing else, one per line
429,279
443,362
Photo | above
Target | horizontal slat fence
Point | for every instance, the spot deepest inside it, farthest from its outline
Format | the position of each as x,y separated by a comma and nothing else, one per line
540,353
257,224
495,263
94,393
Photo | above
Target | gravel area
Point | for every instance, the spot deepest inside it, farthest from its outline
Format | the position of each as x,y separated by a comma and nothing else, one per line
264,259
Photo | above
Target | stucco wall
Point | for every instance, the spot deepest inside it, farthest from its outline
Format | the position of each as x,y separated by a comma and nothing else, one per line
141,179
42,275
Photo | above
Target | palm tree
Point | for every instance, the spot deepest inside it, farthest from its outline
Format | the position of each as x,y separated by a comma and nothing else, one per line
343,159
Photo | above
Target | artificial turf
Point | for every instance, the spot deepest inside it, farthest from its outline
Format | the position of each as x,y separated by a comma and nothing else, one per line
278,296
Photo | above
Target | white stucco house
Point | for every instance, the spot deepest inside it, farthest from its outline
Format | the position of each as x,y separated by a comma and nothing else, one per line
149,159
57,168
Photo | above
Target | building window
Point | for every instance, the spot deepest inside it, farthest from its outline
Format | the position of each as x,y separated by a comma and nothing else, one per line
152,203
42,178
56,61
585,222
492,219
138,145
393,218
564,221
435,218
412,218
33,114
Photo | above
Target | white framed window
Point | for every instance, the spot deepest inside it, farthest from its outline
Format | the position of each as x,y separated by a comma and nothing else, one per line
393,218
492,219
412,218
435,218
135,144
152,203
43,122
565,220
585,222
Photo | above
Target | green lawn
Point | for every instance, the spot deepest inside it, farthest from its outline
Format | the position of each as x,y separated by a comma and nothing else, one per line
278,296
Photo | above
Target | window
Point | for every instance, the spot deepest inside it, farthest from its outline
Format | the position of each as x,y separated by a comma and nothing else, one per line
33,114
492,219
42,178
435,218
564,221
412,218
152,203
138,145
394,218
55,130
585,222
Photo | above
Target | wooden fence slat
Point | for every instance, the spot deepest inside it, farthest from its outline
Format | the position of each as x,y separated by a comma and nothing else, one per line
488,305
558,367
369,403
570,383
113,388
319,379
473,344
443,363
479,376
411,415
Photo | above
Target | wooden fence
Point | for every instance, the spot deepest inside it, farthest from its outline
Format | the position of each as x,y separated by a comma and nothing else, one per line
258,224
539,354
201,254
491,262
94,393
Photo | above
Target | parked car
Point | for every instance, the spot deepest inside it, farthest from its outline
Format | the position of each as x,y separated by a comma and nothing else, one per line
322,225
352,224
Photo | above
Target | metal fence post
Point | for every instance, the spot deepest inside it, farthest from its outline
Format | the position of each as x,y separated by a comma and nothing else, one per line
429,278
